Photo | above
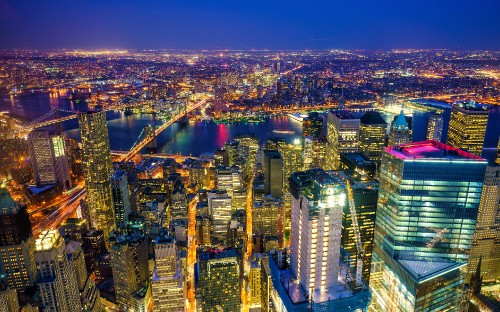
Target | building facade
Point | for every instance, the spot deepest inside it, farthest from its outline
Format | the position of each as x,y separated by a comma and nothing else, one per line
372,133
342,136
97,167
428,201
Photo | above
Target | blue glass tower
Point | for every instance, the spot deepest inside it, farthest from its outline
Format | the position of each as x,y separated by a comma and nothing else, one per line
427,207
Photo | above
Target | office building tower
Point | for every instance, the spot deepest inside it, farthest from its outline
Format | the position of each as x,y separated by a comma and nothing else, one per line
97,169
318,202
218,287
203,230
89,295
435,127
372,132
219,205
486,240
342,136
120,195
365,193
428,201
266,216
293,161
359,163
228,179
401,130
314,153
17,246
49,159
497,161
272,164
312,125
166,285
57,283
74,228
275,143
129,263
467,127
266,285
179,206
93,245
200,176
255,282
8,297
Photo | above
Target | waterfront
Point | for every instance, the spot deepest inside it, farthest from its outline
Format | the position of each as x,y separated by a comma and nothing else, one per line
200,137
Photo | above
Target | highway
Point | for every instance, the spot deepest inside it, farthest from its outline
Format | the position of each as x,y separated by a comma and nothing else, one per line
63,212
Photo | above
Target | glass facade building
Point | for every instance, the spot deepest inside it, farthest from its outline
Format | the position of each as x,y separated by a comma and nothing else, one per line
428,203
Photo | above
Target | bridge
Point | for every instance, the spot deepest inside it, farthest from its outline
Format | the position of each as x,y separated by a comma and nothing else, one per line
42,120
138,145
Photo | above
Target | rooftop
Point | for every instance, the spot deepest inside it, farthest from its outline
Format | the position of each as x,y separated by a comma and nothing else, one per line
372,118
430,150
422,270
7,204
471,106
342,114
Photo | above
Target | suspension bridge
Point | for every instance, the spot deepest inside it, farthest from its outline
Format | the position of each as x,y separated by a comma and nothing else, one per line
46,120
140,144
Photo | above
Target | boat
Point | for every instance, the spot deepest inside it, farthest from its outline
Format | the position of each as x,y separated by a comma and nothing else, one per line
283,131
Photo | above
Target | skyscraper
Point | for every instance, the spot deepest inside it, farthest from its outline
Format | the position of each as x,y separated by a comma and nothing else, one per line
468,126
218,287
486,241
317,205
435,127
166,281
266,216
129,262
312,125
97,169
17,246
48,159
372,132
342,136
365,193
219,205
273,173
89,295
428,201
401,130
314,153
57,283
121,201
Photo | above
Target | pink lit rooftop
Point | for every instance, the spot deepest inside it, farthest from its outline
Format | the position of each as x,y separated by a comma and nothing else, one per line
430,149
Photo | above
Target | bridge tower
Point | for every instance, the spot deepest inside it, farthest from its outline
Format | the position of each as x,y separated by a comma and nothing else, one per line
151,147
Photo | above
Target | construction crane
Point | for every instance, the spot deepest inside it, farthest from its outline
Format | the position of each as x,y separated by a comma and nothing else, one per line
357,235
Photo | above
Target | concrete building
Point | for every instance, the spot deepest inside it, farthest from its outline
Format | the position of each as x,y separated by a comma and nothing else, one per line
57,283
342,135
435,127
49,159
372,133
401,130
121,200
467,127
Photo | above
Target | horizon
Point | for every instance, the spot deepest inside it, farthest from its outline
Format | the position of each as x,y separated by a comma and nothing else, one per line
246,25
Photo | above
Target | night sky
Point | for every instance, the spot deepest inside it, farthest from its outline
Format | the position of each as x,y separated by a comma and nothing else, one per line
270,24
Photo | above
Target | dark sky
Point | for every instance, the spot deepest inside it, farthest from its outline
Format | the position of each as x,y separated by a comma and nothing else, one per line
242,24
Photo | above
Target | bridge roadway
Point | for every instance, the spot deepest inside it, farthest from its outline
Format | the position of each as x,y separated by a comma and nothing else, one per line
137,148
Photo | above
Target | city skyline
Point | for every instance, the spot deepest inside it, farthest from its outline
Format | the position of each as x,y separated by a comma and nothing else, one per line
249,25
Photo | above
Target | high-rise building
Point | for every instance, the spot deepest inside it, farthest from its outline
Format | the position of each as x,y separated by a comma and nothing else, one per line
266,217
228,179
401,130
372,132
254,281
129,262
293,161
435,127
318,202
219,205
428,201
314,153
342,136
272,164
218,287
486,241
467,127
365,193
97,169
8,297
312,125
120,195
89,295
49,159
17,246
57,283
166,285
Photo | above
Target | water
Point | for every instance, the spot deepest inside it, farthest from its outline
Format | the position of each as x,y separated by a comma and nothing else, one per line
196,138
